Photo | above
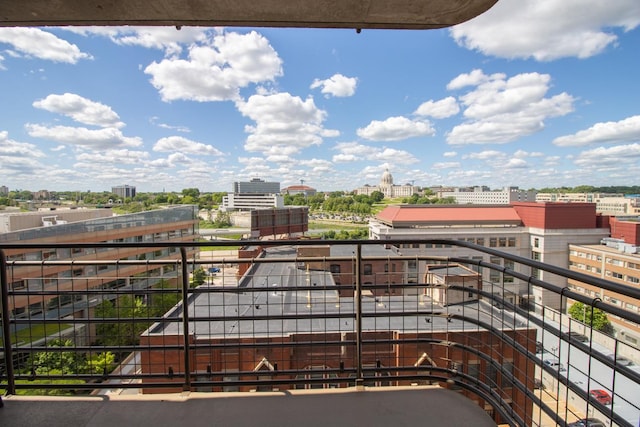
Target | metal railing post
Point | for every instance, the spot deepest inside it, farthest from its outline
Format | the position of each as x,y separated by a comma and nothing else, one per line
6,331
185,320
359,375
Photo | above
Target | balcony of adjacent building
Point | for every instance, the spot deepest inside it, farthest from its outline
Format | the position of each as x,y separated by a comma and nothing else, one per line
291,332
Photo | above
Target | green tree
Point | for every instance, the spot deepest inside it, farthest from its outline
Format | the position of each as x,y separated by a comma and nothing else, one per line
583,313
126,332
223,220
64,362
101,363
377,196
199,277
193,192
162,302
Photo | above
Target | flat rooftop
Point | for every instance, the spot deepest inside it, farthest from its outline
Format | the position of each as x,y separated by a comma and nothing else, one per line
280,299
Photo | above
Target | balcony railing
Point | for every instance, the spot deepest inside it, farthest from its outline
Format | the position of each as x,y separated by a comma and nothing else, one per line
299,314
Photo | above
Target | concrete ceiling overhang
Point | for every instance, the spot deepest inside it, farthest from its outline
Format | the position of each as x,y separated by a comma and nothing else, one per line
358,14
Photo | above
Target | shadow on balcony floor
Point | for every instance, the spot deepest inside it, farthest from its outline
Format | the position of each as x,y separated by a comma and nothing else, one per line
348,407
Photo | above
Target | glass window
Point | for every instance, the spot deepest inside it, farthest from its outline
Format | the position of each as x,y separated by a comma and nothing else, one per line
368,270
507,377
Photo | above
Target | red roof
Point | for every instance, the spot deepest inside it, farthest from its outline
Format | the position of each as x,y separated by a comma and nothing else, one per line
299,188
448,214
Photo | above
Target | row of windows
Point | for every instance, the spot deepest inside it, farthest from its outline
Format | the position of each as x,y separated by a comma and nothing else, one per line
65,253
494,242
585,267
589,256
620,276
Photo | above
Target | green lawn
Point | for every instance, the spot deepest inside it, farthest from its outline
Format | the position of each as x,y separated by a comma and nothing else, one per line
220,248
318,225
37,331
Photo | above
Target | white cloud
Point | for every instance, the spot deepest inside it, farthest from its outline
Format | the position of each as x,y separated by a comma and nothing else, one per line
98,139
36,43
19,157
393,156
115,157
352,148
445,165
154,120
474,78
501,110
547,30
449,154
184,145
601,156
317,165
344,158
283,123
515,163
484,155
626,130
337,85
9,147
352,151
521,154
216,72
396,129
280,159
80,109
167,38
441,109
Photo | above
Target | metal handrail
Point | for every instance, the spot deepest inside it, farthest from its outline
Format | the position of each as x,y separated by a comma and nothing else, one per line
185,377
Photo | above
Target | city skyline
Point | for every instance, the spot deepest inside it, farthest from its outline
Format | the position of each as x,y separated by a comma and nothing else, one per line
530,94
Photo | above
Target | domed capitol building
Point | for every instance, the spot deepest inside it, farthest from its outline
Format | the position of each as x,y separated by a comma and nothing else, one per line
388,188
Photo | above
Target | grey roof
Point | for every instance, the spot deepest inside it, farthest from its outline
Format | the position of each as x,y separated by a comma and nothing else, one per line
451,270
272,293
367,250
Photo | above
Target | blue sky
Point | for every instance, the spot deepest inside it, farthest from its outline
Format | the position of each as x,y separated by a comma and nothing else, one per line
533,93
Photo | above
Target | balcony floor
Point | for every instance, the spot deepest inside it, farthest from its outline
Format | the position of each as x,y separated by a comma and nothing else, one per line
397,406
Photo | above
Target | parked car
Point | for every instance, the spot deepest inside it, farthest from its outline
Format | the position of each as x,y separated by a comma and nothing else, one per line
587,422
601,396
573,335
555,364
622,361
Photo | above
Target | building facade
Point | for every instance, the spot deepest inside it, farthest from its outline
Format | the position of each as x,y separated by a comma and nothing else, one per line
251,201
256,186
311,331
606,203
251,195
305,190
388,188
16,221
539,231
124,191
175,224
483,196
616,259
